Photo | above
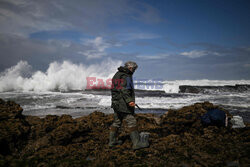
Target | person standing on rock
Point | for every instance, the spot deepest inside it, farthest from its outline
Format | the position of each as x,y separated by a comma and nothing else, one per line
123,104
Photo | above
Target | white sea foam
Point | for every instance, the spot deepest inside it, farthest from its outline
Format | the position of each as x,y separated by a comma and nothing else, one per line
173,86
157,102
206,82
81,103
69,76
105,101
233,100
59,76
36,106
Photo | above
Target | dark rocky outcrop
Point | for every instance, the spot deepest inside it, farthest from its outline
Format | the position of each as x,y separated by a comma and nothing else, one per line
208,89
177,138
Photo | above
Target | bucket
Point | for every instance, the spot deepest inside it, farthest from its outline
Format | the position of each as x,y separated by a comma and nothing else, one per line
144,136
237,122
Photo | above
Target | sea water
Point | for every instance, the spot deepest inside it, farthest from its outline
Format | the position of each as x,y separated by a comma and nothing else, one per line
61,90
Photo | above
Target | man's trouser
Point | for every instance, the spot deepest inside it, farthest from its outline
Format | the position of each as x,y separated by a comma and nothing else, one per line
120,116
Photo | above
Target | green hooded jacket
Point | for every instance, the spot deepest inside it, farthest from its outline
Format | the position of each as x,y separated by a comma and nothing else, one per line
122,91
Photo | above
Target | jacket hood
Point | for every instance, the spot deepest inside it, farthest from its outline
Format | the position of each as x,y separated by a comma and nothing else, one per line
125,70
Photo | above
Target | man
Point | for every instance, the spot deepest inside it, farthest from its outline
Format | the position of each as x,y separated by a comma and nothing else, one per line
123,104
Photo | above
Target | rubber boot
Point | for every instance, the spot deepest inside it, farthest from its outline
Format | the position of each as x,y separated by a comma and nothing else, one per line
112,139
137,144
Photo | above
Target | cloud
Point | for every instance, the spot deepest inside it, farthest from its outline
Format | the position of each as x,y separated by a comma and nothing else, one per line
246,65
19,19
138,36
15,48
247,49
153,57
147,14
29,16
199,53
98,43
96,47
194,54
40,53
23,17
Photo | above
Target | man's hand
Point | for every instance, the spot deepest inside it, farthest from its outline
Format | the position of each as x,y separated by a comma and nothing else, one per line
131,104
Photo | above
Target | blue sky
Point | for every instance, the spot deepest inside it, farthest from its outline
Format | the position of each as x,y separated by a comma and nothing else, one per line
177,39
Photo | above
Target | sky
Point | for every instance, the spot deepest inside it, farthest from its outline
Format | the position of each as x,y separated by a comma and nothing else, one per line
169,39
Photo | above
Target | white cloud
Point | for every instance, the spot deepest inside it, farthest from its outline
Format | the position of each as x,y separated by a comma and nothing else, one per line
136,36
194,54
199,53
42,51
153,57
98,43
23,17
96,48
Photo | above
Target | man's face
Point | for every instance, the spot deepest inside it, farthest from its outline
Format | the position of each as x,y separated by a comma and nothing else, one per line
131,69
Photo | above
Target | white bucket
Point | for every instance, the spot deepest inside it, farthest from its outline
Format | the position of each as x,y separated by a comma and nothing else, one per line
237,122
144,136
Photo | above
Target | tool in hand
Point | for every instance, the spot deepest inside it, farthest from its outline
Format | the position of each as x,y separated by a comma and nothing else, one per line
137,106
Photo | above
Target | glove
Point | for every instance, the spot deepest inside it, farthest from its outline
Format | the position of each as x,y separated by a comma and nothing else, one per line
131,104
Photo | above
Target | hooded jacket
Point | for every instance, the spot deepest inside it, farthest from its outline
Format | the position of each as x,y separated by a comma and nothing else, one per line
122,91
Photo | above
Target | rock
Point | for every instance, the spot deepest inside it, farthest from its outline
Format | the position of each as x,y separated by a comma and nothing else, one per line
13,128
177,138
207,89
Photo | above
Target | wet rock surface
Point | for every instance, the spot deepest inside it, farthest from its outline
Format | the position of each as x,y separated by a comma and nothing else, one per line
177,138
209,89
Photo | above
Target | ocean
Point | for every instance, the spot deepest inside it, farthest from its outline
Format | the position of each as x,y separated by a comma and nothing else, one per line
231,95
61,90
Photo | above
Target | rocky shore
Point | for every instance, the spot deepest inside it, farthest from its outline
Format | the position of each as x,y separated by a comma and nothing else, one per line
177,138
208,89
